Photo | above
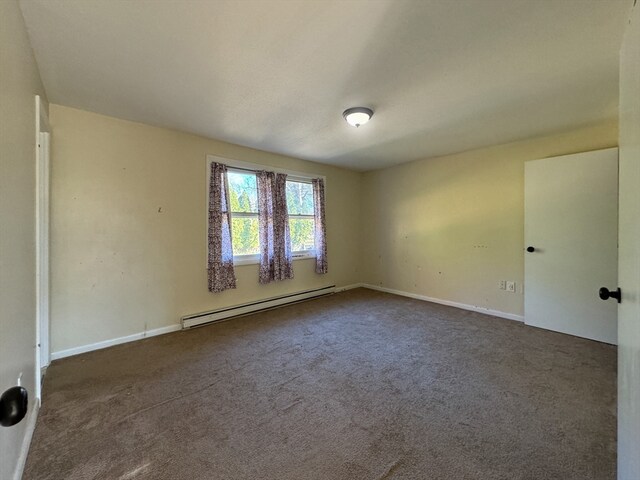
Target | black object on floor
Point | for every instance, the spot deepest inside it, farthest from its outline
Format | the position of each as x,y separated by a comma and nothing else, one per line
13,406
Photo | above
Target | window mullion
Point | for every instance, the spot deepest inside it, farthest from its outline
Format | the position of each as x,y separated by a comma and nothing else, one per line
244,215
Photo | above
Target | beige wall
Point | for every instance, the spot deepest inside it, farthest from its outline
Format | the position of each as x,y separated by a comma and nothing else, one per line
129,225
451,227
128,217
19,83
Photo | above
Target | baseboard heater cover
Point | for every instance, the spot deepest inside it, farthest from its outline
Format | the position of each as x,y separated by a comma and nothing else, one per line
198,319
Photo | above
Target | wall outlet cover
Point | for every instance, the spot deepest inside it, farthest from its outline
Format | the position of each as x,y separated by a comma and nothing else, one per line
511,286
502,284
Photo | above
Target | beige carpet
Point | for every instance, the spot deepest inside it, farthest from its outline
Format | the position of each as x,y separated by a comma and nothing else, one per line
359,385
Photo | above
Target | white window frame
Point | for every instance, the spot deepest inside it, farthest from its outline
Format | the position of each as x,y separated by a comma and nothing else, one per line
248,259
301,253
241,166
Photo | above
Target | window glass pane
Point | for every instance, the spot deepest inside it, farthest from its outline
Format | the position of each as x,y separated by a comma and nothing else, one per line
243,192
302,233
300,198
244,232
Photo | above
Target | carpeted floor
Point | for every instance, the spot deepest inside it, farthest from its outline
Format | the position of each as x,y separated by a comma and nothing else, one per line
359,385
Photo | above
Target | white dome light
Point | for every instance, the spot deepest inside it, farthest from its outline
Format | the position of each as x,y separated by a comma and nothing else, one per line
357,116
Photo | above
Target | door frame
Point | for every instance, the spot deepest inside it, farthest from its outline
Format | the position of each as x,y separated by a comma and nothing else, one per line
629,259
42,347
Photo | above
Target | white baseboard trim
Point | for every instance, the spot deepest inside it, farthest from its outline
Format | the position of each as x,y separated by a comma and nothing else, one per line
139,336
174,328
26,441
349,287
114,341
464,306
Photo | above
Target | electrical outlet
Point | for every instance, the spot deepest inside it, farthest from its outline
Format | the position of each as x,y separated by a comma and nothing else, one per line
511,286
502,284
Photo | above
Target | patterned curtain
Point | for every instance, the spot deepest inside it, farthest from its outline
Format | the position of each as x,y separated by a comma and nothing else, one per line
221,274
273,220
320,230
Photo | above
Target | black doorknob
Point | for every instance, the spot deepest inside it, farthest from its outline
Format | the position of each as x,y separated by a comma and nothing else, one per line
531,249
13,406
606,294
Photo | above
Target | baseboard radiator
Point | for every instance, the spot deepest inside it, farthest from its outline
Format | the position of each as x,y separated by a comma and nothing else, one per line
222,314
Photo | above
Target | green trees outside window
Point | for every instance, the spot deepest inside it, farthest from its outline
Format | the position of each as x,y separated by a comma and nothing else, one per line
301,220
243,199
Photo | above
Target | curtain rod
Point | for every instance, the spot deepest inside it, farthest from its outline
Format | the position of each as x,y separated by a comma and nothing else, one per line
256,167
244,169
231,167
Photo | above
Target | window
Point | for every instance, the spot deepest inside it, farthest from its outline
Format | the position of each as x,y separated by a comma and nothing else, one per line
301,220
243,200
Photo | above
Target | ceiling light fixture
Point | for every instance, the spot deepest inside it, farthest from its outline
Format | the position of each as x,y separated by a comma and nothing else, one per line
357,116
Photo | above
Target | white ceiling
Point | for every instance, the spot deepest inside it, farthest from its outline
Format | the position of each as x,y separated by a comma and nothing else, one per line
442,76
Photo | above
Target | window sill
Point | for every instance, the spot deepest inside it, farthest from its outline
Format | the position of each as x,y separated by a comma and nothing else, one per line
255,259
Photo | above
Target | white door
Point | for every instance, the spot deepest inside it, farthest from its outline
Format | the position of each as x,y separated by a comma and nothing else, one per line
629,264
571,224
